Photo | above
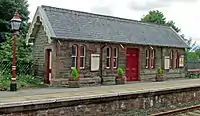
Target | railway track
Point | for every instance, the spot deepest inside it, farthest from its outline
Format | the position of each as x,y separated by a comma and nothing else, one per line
187,111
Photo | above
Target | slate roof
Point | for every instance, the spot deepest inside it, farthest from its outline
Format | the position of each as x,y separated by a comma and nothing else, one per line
70,24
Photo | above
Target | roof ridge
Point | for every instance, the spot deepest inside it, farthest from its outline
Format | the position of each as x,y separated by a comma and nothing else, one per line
107,16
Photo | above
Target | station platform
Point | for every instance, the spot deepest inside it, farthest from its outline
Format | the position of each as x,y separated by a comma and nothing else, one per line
30,96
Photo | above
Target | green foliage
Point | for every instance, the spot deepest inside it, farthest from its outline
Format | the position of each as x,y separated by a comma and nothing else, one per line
159,70
172,24
154,16
23,52
158,17
193,46
192,56
120,72
7,10
193,51
23,81
74,73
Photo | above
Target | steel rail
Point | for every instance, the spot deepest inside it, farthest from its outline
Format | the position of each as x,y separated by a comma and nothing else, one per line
176,111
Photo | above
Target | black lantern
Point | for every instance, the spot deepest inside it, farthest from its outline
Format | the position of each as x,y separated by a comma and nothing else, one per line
15,22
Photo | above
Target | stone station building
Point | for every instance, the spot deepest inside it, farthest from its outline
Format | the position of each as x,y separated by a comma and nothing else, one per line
97,45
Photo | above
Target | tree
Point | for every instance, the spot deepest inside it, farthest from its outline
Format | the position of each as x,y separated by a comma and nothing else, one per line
172,24
154,16
193,53
7,10
192,45
23,50
24,57
158,17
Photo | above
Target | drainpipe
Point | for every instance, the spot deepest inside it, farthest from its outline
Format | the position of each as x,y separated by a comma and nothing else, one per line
162,61
101,62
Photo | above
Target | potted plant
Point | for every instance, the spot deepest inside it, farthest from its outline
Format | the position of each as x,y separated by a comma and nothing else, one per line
159,74
120,79
74,79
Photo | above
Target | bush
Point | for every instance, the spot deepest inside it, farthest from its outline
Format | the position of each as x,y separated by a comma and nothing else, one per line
23,81
120,72
159,70
74,74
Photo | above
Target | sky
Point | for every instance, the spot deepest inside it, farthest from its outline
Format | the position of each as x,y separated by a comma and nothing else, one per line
185,13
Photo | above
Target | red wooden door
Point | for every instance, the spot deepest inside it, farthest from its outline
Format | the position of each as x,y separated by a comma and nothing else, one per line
132,56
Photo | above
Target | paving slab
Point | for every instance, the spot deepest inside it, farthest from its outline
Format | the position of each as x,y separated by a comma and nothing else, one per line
40,95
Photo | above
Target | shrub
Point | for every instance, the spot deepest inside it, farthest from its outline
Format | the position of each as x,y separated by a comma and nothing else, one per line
159,70
120,72
23,81
74,74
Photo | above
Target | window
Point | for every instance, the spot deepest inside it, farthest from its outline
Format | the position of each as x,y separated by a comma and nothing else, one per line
82,57
167,62
147,59
115,58
181,61
150,58
171,59
153,58
176,59
74,56
108,54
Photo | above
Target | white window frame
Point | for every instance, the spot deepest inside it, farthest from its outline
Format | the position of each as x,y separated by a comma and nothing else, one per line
115,58
108,57
167,62
152,58
72,56
82,57
181,61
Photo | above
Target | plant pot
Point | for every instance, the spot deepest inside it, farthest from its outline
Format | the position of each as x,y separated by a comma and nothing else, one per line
159,77
119,80
74,84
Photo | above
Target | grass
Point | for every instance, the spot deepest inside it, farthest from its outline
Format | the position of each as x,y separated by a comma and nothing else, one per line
23,82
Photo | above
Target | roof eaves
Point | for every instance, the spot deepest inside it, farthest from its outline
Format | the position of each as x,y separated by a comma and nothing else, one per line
46,21
110,41
179,37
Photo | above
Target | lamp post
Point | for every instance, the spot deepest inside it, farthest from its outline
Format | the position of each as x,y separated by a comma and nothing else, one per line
15,25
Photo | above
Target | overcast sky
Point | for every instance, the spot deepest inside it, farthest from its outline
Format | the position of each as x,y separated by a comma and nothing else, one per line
186,13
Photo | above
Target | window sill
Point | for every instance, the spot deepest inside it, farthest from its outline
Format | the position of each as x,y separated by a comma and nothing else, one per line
82,68
107,67
73,67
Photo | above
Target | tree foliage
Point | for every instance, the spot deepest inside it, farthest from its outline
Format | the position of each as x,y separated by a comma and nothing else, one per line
193,51
7,10
154,16
23,50
158,17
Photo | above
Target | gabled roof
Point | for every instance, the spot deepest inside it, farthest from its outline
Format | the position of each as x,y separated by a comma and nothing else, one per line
70,24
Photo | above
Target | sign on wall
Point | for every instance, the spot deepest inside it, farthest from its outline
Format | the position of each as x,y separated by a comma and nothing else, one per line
167,62
181,61
95,61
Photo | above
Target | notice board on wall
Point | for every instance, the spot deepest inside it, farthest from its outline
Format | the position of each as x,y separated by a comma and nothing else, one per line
95,61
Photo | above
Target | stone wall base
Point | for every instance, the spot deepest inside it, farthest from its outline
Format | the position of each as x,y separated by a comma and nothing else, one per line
150,102
84,82
96,81
146,78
